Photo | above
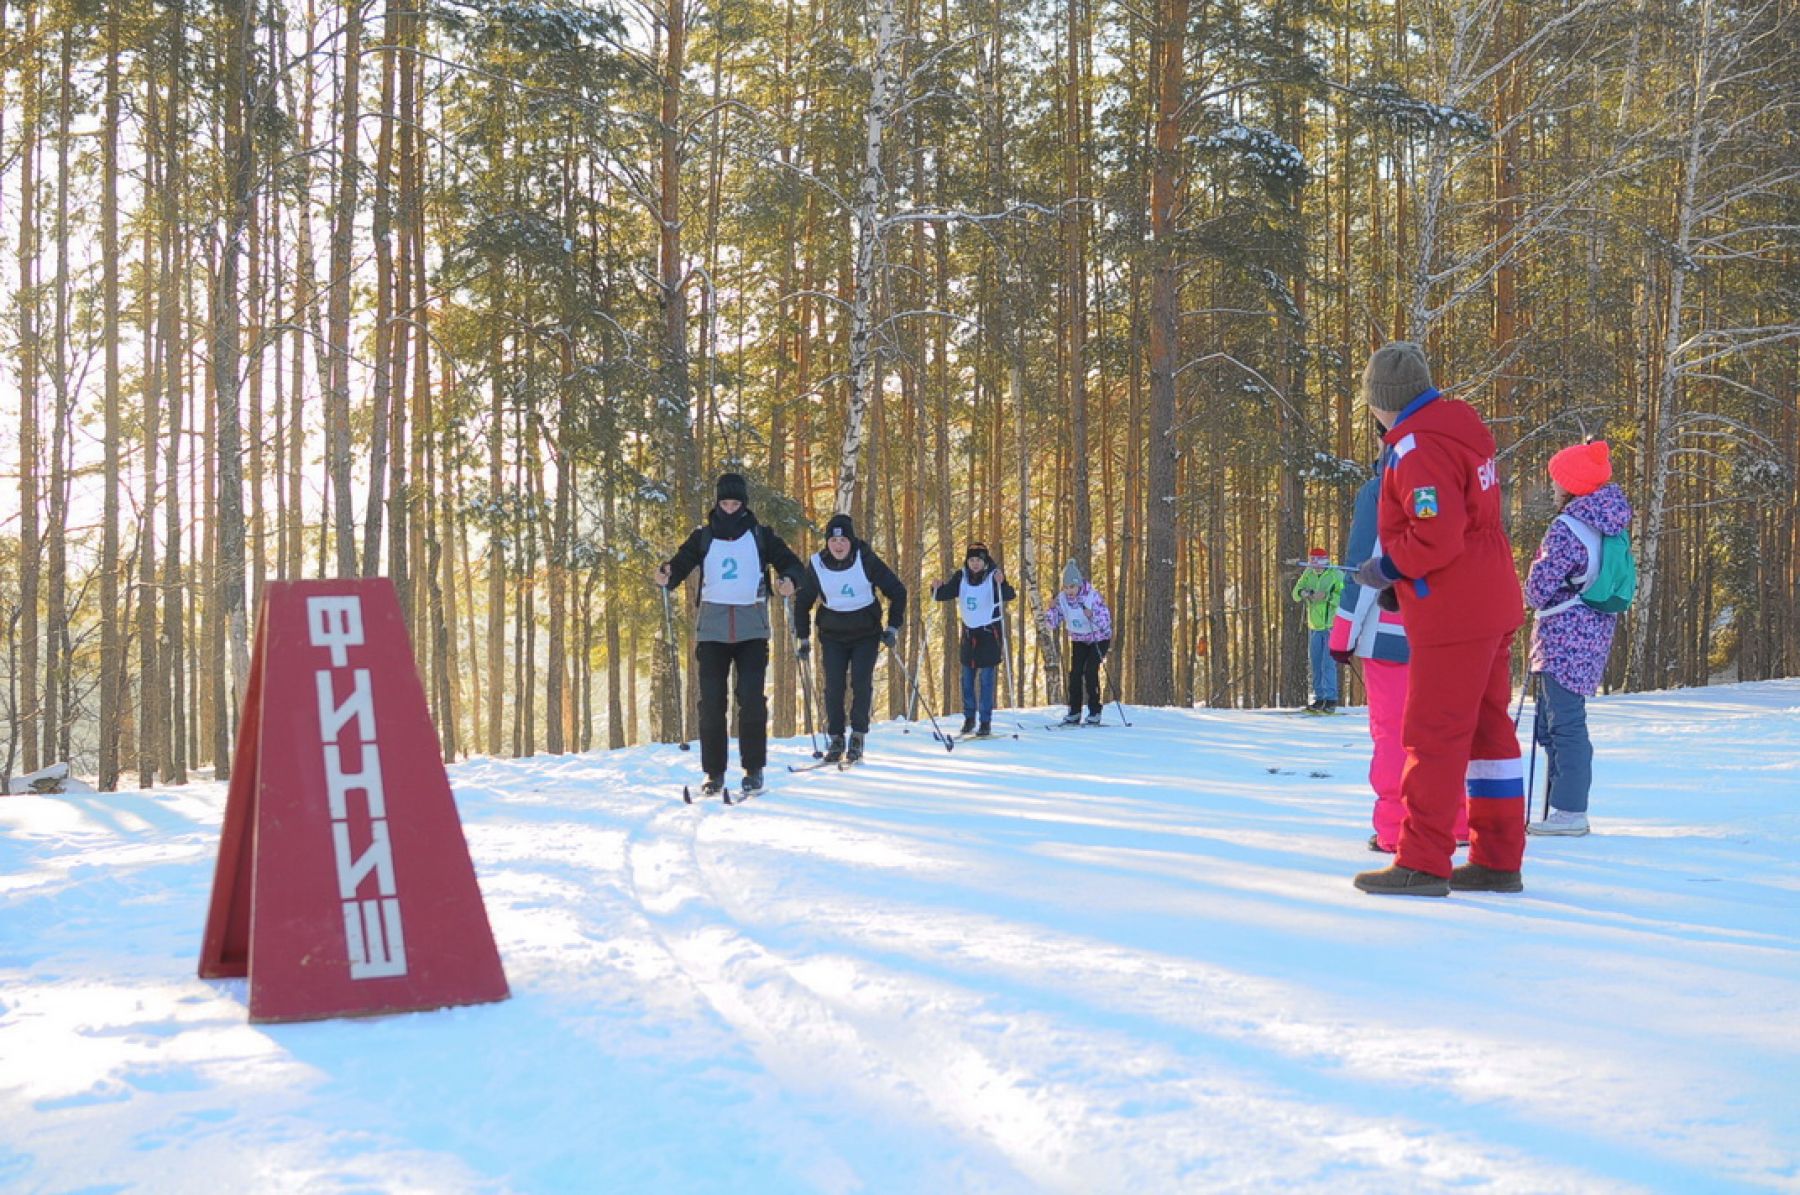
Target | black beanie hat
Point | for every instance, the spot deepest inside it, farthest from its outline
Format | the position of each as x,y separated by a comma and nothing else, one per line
840,525
733,485
978,549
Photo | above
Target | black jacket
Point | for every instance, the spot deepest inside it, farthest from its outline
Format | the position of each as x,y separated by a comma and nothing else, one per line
848,625
981,646
733,624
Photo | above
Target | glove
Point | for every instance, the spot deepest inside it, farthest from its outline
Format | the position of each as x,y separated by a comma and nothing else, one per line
891,637
1342,655
1370,576
803,650
1388,600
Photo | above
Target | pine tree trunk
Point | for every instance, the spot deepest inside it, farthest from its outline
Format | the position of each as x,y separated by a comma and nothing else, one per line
30,549
112,662
343,230
1155,682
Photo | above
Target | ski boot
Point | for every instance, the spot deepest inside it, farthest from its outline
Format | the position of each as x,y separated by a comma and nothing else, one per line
985,731
713,787
834,748
753,782
1093,719
854,753
968,724
1072,719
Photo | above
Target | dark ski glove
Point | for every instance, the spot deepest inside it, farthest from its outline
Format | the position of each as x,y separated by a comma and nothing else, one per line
1389,600
891,637
1370,575
803,650
1342,656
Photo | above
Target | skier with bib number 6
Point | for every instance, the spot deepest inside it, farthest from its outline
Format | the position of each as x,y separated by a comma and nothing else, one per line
1082,611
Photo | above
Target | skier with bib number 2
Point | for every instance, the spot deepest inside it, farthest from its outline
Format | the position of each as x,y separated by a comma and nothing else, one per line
734,553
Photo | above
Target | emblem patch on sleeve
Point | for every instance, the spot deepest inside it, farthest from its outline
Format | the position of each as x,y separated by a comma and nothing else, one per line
1425,502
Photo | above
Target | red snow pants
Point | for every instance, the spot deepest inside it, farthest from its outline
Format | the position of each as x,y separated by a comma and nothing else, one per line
1460,741
1386,685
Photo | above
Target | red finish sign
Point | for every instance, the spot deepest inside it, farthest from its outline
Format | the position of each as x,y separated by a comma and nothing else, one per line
344,886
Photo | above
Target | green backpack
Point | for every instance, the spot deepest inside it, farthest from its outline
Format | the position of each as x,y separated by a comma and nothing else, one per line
1610,580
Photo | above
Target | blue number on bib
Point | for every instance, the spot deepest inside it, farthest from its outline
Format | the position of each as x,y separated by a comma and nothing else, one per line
970,603
847,590
728,571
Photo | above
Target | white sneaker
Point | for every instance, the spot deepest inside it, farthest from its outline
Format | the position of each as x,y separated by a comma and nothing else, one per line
1564,823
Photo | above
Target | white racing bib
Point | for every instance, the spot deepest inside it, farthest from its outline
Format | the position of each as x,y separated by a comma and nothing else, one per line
1075,616
979,603
733,572
844,589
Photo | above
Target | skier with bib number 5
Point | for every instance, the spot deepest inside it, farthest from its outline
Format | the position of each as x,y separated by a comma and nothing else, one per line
734,553
979,588
842,581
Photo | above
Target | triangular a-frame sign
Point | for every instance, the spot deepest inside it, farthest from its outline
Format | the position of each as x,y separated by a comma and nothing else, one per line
344,885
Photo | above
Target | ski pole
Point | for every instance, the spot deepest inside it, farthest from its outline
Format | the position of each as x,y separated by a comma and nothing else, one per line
936,732
787,606
1114,677
674,664
1418,583
1531,768
1012,692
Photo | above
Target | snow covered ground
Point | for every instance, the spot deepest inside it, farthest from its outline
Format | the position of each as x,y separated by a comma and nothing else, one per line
1092,960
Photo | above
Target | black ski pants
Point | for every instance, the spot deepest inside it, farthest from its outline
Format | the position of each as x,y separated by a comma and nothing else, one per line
1084,675
854,662
751,656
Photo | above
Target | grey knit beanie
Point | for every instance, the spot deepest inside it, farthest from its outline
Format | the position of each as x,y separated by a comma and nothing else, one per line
1071,574
1396,374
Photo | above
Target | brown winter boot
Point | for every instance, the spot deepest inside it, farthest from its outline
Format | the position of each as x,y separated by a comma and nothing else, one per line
1478,877
1402,881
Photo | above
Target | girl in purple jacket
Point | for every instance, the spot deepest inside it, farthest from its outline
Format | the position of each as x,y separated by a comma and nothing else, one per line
1081,609
1571,640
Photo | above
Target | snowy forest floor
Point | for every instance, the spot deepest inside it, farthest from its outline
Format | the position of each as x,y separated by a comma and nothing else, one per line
1117,959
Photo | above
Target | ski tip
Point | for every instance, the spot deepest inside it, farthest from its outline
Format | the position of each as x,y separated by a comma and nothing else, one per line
686,795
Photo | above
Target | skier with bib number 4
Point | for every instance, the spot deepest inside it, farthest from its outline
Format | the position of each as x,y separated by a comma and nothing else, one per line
842,581
734,553
1582,578
1082,611
979,588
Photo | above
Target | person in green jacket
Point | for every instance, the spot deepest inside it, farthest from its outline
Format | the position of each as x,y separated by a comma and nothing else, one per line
1319,588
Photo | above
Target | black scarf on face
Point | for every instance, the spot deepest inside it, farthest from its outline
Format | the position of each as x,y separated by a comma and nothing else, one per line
730,526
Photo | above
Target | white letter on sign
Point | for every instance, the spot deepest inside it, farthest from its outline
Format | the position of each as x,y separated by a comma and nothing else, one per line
359,705
377,947
338,785
335,622
379,858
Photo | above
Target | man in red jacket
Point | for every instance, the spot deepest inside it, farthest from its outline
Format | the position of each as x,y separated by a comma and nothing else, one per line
1445,553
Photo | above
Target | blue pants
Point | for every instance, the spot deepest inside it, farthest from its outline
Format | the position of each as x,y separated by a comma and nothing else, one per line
984,712
1324,668
1561,727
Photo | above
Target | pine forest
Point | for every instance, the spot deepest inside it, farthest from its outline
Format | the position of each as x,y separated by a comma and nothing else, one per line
482,295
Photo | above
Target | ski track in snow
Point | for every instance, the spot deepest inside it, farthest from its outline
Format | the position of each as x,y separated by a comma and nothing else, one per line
1120,961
